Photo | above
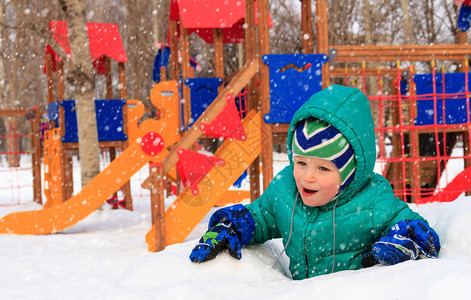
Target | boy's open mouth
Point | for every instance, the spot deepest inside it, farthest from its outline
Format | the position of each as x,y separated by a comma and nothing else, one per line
308,192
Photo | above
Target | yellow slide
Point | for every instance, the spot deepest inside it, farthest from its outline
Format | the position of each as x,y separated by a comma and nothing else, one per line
188,210
90,198
147,144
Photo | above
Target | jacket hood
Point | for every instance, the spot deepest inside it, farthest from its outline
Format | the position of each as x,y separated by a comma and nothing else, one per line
348,110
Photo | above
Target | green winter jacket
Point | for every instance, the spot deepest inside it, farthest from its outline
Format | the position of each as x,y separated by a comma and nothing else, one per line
364,211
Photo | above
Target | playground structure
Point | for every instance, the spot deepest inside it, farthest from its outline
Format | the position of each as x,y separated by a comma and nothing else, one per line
105,44
415,176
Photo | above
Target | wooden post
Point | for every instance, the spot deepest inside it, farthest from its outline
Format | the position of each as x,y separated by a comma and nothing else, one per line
50,79
218,55
172,28
123,95
306,26
322,38
414,138
36,155
122,80
396,148
156,184
109,95
163,73
252,99
60,81
185,50
108,78
267,135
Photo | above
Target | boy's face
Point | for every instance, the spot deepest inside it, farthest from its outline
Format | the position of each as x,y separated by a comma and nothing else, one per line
317,179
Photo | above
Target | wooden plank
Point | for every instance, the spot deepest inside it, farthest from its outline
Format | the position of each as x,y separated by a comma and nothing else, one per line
252,99
60,81
264,48
185,46
395,58
322,37
36,155
50,79
340,72
156,184
218,55
108,78
173,34
306,27
401,52
13,112
122,80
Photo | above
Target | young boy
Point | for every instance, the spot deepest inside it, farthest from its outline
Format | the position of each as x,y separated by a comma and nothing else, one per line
329,207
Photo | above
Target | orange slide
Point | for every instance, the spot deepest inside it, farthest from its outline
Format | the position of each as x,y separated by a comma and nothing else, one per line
148,144
188,210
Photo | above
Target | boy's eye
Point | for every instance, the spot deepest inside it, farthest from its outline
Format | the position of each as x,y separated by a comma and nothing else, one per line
301,163
322,168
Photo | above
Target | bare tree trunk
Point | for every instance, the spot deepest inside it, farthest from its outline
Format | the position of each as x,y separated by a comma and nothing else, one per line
407,23
371,88
155,20
82,79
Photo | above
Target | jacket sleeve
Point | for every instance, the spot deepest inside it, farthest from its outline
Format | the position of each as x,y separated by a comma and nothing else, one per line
388,210
263,210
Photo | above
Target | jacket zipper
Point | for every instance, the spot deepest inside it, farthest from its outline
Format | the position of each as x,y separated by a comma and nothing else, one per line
305,251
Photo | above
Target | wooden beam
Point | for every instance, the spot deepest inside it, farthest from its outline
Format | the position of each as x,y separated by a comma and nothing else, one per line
218,55
267,136
306,27
50,79
172,28
60,81
109,80
401,52
36,155
122,80
13,112
185,64
322,38
340,72
252,99
156,184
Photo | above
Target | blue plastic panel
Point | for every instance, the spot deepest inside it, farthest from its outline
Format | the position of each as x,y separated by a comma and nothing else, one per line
161,60
109,118
53,112
294,78
455,105
203,91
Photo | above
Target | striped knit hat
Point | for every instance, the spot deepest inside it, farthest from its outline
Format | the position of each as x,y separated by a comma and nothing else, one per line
313,137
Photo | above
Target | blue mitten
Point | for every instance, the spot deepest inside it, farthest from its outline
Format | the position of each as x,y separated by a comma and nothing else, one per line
229,228
408,239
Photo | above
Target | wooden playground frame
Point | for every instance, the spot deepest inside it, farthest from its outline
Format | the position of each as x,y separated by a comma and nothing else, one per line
259,98
254,76
57,84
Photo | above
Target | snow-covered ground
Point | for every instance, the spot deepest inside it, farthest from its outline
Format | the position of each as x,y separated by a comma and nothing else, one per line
105,257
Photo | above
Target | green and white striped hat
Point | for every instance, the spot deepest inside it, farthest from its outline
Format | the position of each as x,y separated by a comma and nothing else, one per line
313,137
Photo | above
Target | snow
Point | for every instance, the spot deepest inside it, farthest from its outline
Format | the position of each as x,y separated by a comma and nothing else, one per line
105,257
